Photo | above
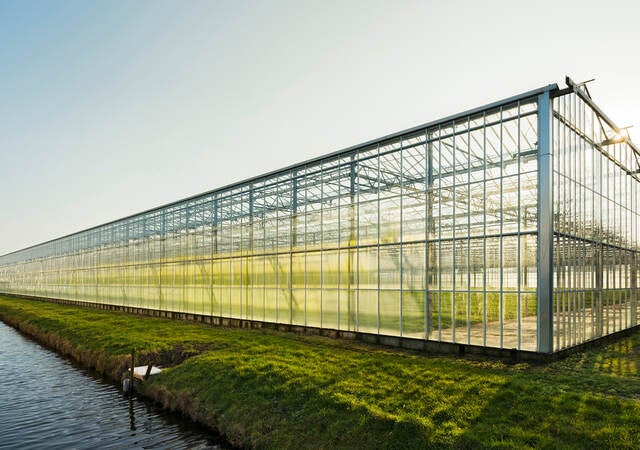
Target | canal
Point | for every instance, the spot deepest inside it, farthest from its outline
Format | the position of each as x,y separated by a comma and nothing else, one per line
47,402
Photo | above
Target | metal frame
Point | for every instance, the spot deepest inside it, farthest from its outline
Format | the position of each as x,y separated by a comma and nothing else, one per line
452,231
545,225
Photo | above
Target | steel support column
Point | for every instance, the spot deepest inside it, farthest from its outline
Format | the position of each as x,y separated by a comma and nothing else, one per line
545,225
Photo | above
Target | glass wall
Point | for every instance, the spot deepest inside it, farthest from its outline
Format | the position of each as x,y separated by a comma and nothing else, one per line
483,228
595,224
431,233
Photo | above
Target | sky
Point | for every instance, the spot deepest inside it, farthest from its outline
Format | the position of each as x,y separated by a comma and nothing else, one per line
108,108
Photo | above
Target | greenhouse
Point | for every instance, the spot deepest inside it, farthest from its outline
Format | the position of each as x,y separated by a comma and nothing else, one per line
509,226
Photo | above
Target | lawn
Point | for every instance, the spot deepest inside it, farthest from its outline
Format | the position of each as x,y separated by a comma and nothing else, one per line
271,390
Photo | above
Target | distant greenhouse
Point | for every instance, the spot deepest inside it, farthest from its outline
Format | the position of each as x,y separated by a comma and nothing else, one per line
510,226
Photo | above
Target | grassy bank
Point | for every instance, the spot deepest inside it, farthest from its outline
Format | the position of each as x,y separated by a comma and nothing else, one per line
269,390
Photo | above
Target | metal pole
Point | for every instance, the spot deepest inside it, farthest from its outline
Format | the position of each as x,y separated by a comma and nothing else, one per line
545,225
133,353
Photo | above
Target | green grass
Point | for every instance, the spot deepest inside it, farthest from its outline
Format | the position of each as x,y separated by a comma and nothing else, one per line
269,390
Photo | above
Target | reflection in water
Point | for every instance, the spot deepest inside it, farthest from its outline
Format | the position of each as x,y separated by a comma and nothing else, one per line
132,416
47,403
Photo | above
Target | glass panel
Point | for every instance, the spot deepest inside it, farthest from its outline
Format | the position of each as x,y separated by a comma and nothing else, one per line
413,313
329,299
390,312
347,309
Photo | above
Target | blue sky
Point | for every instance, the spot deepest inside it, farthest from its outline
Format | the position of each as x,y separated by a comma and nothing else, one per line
108,108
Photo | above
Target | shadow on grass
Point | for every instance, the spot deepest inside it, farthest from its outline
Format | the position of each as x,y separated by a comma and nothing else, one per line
301,397
319,400
588,400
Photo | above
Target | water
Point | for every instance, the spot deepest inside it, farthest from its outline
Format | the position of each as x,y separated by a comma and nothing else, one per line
48,403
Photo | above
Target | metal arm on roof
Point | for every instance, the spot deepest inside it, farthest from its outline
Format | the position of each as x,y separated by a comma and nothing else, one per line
581,90
583,84
582,87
